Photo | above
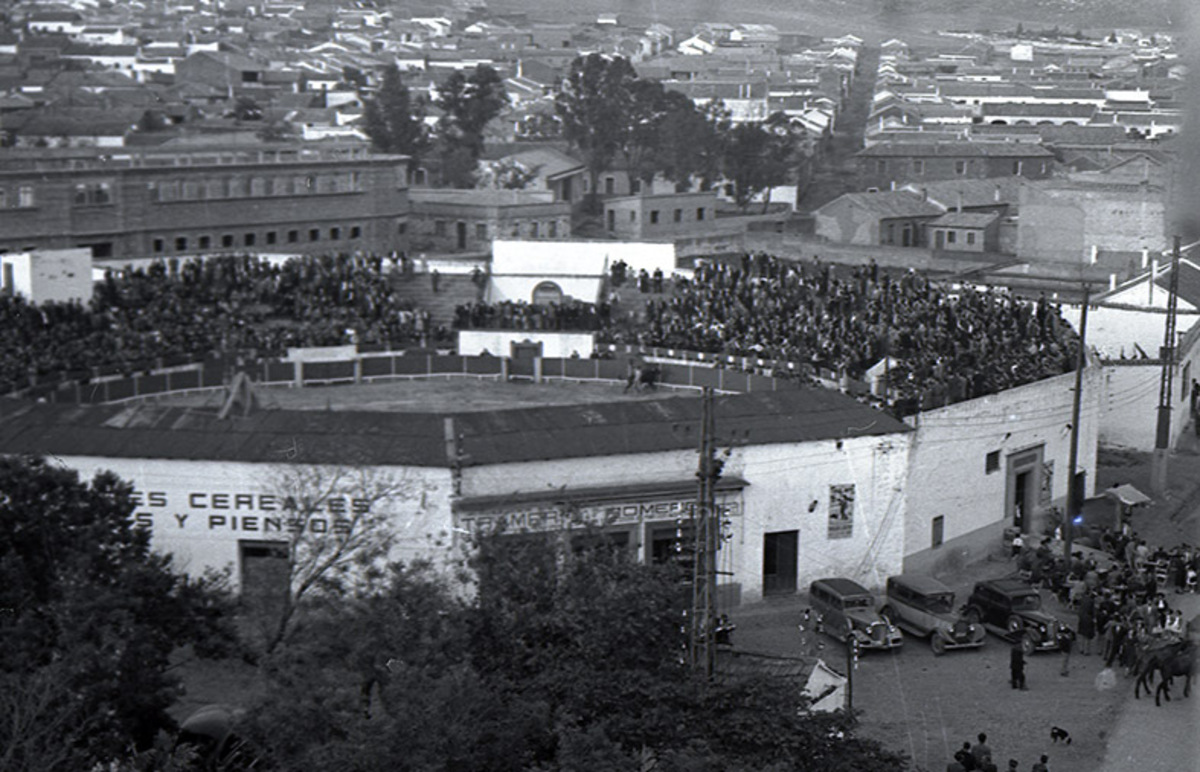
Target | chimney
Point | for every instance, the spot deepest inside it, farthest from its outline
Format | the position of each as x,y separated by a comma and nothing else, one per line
959,199
997,194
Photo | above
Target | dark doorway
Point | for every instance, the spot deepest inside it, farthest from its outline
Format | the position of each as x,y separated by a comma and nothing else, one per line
461,233
672,544
265,577
1020,499
780,551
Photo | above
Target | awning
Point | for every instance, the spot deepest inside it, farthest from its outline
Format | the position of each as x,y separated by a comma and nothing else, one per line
1127,495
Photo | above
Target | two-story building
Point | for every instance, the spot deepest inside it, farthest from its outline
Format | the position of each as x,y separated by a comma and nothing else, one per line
451,220
887,165
186,200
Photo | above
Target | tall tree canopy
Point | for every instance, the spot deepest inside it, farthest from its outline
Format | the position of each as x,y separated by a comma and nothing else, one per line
90,617
755,158
394,120
560,659
470,103
594,107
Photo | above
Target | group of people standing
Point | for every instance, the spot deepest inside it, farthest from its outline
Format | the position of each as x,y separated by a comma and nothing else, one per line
978,756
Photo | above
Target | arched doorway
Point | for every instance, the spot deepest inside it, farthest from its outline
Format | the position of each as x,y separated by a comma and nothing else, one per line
546,293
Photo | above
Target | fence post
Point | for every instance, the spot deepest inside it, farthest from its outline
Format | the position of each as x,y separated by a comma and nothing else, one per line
537,369
358,370
504,369
298,374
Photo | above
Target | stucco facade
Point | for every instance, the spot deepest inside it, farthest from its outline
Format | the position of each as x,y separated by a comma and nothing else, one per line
992,463
204,513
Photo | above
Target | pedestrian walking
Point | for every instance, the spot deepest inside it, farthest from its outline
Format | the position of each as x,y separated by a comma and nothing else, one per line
1016,665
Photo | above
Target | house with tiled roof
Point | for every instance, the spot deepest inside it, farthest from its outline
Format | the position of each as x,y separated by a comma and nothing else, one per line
221,69
898,218
887,164
553,170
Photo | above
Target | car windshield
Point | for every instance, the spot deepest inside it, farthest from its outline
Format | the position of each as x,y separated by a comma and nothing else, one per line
940,604
1027,602
857,603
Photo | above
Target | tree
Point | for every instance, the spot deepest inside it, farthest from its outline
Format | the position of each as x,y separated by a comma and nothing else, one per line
561,657
90,618
641,141
754,160
340,531
470,103
690,140
393,121
593,105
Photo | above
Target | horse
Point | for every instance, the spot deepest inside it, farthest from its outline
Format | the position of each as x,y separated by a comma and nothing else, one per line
1169,659
1183,663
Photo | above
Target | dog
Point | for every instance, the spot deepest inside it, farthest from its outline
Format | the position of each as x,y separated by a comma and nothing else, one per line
1058,733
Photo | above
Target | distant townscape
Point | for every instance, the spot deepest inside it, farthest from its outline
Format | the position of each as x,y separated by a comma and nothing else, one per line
463,388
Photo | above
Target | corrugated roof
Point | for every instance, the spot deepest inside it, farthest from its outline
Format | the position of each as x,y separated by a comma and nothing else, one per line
417,439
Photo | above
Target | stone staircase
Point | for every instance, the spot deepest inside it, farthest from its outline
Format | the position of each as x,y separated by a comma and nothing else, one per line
453,290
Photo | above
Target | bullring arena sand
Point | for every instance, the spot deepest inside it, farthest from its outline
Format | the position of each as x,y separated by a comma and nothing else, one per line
433,395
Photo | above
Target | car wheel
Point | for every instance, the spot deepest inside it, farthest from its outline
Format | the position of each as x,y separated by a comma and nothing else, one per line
973,615
1028,646
937,644
1014,624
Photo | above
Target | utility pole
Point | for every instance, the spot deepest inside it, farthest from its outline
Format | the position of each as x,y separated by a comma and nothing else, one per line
1073,492
852,649
1162,438
702,643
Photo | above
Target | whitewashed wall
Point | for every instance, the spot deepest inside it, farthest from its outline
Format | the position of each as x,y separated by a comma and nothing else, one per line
783,481
52,275
199,510
948,477
499,342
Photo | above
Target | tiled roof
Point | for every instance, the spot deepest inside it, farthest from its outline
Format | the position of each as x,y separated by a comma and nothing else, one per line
374,438
964,220
956,149
890,204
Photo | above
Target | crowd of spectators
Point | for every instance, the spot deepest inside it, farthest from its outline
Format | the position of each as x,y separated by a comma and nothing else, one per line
1124,601
197,307
943,345
570,314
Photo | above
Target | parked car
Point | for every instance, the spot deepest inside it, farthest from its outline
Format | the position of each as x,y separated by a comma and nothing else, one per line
924,607
1012,609
846,609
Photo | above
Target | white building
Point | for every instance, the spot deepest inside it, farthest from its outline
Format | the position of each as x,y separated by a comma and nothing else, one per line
49,275
1126,329
995,462
813,483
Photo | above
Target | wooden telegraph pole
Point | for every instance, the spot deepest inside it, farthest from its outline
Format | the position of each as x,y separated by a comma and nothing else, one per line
1073,492
1162,437
702,643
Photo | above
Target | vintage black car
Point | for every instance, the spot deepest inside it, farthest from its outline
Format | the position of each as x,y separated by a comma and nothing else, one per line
1012,609
924,607
847,610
